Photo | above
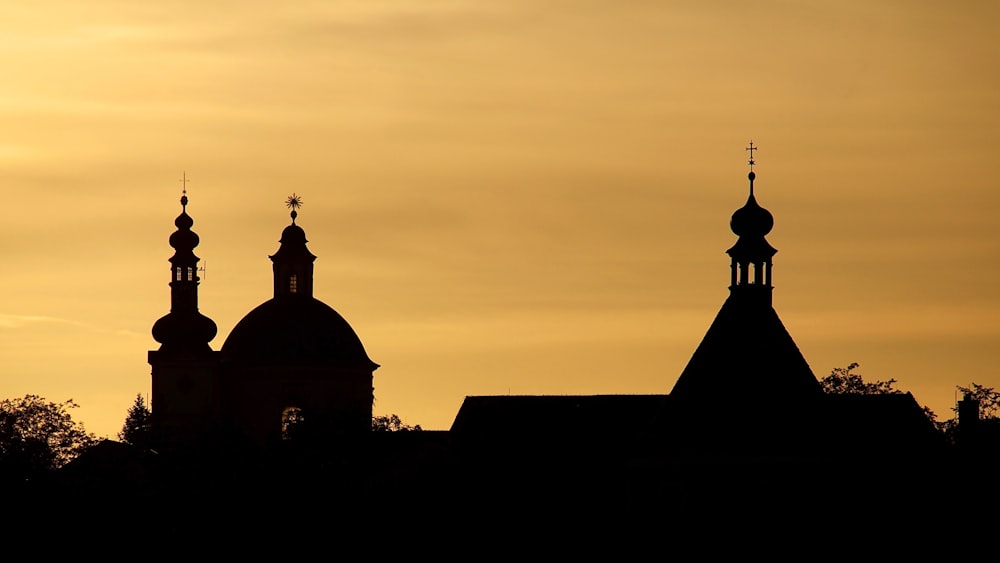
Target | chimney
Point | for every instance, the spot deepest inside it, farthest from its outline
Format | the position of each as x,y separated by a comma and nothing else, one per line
968,419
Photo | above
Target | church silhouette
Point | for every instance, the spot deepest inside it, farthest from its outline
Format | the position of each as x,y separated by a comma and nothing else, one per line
284,410
294,368
291,360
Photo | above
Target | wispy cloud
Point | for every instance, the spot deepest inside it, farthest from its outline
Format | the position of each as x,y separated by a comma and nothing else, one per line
19,321
27,321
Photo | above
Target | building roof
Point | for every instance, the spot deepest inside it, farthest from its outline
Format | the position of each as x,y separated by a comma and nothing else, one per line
748,356
884,423
523,415
295,329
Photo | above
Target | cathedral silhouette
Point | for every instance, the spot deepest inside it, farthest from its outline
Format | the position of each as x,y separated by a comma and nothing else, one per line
281,416
291,360
293,367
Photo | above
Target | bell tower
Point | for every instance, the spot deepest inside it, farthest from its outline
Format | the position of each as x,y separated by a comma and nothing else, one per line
752,254
186,387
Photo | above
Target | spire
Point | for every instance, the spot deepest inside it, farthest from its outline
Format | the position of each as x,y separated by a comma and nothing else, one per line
293,263
184,328
747,382
752,254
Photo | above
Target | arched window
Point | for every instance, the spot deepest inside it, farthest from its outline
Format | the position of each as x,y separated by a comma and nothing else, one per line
291,423
293,284
190,274
178,277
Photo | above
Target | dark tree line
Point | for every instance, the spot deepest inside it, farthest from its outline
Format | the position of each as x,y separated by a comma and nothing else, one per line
391,423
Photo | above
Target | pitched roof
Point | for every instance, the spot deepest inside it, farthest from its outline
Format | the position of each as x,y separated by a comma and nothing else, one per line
883,423
527,415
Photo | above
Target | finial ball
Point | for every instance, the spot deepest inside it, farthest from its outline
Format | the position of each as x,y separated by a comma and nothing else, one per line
752,176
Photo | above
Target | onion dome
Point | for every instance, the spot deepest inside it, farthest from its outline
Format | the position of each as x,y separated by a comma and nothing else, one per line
184,240
751,220
184,329
751,223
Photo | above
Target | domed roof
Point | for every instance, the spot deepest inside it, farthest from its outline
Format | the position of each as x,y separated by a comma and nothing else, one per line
293,234
751,223
751,220
295,329
184,330
293,244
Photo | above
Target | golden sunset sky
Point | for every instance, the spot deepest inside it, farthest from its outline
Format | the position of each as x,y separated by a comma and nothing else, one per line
524,197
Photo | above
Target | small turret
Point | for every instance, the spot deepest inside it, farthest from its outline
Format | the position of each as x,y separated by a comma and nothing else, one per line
293,263
752,254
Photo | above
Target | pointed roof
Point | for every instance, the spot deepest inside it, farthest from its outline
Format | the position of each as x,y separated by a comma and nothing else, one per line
747,355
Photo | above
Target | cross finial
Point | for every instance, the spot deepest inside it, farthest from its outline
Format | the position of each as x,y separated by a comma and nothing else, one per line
751,148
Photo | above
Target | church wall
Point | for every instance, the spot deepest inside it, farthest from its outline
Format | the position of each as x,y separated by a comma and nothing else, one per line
186,400
333,401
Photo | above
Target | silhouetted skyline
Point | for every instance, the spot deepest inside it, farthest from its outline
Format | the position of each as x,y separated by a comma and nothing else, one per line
516,199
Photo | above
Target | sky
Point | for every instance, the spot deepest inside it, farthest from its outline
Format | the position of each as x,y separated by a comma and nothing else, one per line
519,197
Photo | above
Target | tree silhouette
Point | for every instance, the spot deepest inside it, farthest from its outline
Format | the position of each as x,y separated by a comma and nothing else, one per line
391,423
989,400
845,381
136,430
38,436
989,411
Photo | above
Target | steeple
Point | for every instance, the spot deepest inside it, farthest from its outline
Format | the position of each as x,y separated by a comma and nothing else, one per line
747,363
184,329
293,263
752,254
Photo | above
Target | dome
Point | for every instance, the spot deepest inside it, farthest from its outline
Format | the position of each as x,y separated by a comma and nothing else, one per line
184,330
751,223
295,329
293,234
184,239
751,220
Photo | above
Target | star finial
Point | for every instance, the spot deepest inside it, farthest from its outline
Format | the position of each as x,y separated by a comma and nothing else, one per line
294,202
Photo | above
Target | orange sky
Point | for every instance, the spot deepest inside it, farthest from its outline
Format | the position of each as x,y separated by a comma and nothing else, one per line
526,197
